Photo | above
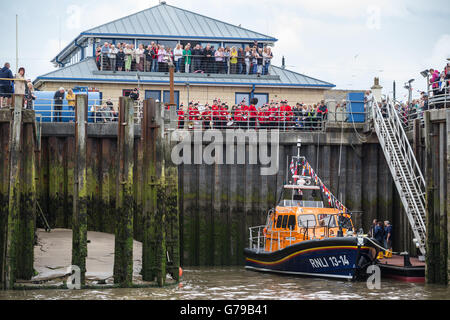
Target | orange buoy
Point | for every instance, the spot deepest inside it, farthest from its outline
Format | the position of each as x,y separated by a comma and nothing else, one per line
180,272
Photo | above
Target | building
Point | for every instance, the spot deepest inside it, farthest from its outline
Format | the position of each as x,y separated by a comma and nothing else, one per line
169,25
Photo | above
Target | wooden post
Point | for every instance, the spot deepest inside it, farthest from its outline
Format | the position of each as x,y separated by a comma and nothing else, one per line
27,218
4,185
79,219
443,232
172,205
14,196
149,136
429,266
436,268
123,251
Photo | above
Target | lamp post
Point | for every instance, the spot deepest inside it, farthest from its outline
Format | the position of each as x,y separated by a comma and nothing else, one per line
187,88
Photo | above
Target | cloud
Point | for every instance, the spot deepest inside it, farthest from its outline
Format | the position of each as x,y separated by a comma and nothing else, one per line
440,52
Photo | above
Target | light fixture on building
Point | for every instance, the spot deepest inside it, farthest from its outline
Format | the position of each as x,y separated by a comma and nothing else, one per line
424,73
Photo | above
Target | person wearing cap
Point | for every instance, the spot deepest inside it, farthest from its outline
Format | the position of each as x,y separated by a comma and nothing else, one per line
180,113
193,112
58,98
262,120
273,115
206,117
223,115
252,112
238,116
215,114
387,235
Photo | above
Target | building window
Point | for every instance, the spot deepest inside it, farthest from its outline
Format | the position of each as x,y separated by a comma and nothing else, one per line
212,44
176,95
145,42
168,43
234,44
244,97
155,94
126,92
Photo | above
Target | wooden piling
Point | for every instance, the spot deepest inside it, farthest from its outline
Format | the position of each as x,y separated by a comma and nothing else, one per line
123,251
171,212
436,269
14,196
4,185
27,218
149,134
155,194
79,219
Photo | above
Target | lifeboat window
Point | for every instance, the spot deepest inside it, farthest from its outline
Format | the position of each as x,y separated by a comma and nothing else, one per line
291,222
285,219
306,221
327,220
279,219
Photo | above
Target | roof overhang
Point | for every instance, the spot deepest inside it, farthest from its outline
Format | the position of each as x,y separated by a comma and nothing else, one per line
194,82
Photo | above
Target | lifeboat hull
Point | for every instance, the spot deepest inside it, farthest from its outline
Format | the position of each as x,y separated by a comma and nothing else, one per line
339,258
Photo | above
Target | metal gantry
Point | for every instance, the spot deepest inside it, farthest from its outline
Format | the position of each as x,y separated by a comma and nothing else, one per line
402,163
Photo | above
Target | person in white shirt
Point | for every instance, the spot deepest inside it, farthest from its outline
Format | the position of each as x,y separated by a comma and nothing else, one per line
112,57
139,52
178,56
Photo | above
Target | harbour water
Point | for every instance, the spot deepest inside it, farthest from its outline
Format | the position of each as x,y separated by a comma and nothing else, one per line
236,283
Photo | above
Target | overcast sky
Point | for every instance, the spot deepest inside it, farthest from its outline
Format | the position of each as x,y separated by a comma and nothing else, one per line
344,42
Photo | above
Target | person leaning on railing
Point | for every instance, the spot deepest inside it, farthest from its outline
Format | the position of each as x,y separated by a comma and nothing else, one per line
58,98
70,97
187,54
178,57
29,95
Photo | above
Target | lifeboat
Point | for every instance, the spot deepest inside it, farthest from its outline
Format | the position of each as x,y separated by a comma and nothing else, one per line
303,237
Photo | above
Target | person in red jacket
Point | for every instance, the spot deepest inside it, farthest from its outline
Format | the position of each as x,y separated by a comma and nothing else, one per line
223,115
206,117
181,117
215,109
238,119
245,116
193,112
285,115
263,117
252,113
273,115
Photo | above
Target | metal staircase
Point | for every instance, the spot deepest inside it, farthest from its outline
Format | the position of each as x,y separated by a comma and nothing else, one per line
402,163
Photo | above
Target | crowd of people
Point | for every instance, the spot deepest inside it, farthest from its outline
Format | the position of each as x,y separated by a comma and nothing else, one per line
187,59
276,114
18,85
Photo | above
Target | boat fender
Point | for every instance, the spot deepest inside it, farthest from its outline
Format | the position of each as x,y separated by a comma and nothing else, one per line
180,272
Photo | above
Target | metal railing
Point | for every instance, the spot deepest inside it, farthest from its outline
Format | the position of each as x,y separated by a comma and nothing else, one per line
99,111
404,168
261,119
193,63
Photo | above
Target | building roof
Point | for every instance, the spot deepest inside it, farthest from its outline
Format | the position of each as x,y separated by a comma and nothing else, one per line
164,21
86,71
167,20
